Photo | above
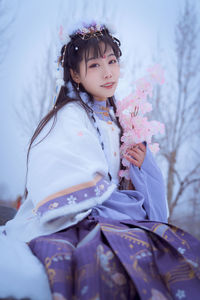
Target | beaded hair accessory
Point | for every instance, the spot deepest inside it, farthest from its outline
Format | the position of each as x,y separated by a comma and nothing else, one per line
90,31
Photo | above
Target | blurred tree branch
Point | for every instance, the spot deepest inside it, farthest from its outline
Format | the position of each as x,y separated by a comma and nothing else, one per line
38,97
179,111
6,20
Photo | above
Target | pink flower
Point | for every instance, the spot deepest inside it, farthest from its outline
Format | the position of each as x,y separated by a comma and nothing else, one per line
131,110
125,162
127,137
157,74
157,127
123,149
124,104
124,173
125,120
146,107
144,87
154,148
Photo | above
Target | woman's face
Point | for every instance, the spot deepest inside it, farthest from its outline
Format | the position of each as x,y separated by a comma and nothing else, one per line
99,76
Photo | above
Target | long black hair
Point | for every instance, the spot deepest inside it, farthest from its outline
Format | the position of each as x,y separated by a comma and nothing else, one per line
72,54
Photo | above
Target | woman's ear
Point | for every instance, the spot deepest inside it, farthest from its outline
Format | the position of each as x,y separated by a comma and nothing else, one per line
75,76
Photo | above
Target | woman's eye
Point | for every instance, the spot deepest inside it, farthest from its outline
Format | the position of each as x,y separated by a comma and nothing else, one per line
113,61
94,65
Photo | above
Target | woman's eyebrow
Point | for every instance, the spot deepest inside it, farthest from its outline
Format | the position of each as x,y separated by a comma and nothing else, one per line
111,54
92,58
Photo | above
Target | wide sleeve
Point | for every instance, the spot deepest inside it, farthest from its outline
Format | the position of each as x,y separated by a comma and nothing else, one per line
149,181
68,172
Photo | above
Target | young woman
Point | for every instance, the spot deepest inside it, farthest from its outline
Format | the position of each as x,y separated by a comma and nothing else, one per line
96,239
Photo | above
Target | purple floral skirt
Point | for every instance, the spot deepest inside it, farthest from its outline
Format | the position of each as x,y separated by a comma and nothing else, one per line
101,259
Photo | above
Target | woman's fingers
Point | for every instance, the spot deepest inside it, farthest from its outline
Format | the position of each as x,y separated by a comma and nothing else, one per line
142,147
132,160
136,154
136,151
133,157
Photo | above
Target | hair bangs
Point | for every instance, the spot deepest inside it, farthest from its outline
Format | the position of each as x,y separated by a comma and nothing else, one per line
93,50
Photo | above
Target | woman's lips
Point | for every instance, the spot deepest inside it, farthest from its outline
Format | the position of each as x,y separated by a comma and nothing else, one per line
108,85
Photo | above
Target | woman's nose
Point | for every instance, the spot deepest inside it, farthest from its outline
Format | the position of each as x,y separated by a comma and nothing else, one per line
107,75
107,72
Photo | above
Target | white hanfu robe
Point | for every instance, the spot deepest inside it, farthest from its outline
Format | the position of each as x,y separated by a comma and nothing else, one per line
68,179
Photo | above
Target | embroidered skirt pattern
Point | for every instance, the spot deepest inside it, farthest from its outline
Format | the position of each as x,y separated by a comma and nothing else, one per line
101,259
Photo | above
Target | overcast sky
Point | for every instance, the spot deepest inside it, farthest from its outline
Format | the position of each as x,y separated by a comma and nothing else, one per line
139,24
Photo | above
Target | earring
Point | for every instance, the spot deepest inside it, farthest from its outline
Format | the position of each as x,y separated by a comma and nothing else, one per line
78,86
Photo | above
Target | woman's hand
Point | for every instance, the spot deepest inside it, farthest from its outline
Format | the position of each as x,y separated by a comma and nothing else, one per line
136,154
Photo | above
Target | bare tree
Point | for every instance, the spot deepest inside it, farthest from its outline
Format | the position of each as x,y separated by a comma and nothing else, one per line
189,219
38,96
7,18
195,216
178,108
